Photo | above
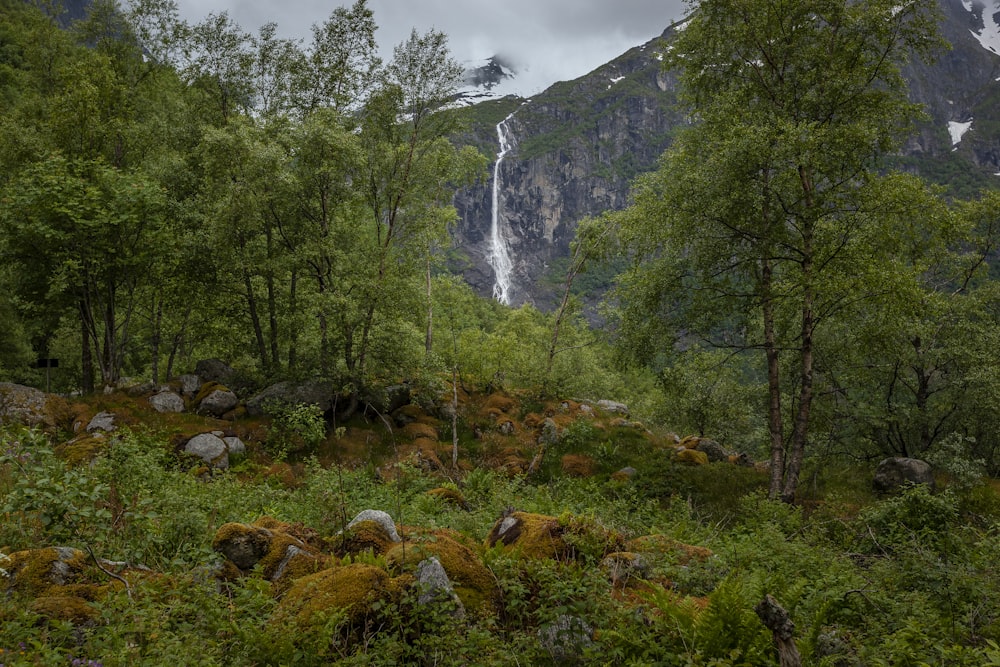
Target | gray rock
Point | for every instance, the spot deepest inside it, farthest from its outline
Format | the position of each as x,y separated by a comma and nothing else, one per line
102,421
218,403
613,407
628,472
387,400
246,548
210,448
236,447
379,517
622,566
434,584
293,393
167,401
713,450
214,370
566,638
893,473
507,427
25,405
550,433
190,384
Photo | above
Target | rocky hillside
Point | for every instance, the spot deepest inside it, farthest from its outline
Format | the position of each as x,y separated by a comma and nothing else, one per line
578,146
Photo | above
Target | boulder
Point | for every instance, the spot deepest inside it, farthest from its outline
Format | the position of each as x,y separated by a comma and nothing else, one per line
236,447
713,450
312,392
189,384
210,448
613,407
26,405
625,566
894,472
167,401
388,400
691,456
434,585
102,421
218,402
381,518
214,370
566,639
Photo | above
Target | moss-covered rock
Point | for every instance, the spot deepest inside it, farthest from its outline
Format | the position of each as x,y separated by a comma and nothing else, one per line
71,608
270,546
450,496
691,456
363,536
349,590
35,571
533,535
474,584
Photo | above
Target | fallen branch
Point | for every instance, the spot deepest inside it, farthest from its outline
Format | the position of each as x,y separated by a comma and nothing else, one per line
776,619
100,566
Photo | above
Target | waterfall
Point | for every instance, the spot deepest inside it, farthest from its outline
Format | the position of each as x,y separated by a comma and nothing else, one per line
499,255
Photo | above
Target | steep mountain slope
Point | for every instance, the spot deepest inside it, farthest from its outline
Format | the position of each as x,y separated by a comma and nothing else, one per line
579,144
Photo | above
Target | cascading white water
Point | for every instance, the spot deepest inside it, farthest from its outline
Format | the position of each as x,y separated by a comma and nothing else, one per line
499,256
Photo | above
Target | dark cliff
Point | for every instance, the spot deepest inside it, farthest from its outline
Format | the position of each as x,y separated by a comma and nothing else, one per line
579,144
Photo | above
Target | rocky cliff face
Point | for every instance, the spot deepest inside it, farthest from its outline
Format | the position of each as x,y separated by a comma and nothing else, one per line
579,145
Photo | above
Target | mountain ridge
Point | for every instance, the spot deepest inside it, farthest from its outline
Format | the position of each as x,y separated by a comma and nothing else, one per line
579,144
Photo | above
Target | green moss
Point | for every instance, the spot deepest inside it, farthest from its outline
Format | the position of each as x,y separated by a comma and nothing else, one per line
351,590
361,537
692,456
35,571
472,581
71,608
533,535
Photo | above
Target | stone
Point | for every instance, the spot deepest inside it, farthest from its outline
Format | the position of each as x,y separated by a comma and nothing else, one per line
892,473
189,384
379,517
22,404
712,449
312,392
434,584
218,402
613,407
566,638
167,401
102,421
209,448
236,447
214,370
550,433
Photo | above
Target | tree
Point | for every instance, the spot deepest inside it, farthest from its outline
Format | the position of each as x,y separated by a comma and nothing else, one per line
765,219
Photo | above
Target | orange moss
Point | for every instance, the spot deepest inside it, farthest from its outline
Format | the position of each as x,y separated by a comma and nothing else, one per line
452,496
417,430
497,404
681,553
578,465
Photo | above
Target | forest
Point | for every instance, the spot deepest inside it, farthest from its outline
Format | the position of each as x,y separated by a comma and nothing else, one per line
789,310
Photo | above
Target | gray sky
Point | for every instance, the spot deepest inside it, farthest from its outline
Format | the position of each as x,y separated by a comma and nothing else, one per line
551,40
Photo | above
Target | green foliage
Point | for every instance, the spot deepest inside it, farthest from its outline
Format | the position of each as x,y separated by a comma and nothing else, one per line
295,427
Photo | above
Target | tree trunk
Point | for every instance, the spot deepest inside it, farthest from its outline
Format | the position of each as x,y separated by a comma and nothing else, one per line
258,331
775,426
293,333
154,346
429,339
86,357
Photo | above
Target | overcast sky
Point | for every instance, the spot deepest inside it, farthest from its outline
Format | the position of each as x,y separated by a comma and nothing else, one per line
551,40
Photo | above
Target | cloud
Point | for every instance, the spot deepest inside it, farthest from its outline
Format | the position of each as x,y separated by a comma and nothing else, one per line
551,40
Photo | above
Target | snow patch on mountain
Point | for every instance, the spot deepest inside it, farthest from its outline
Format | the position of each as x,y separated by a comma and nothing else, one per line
957,130
989,35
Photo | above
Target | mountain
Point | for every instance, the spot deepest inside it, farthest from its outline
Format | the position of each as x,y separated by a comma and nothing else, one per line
491,79
577,146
